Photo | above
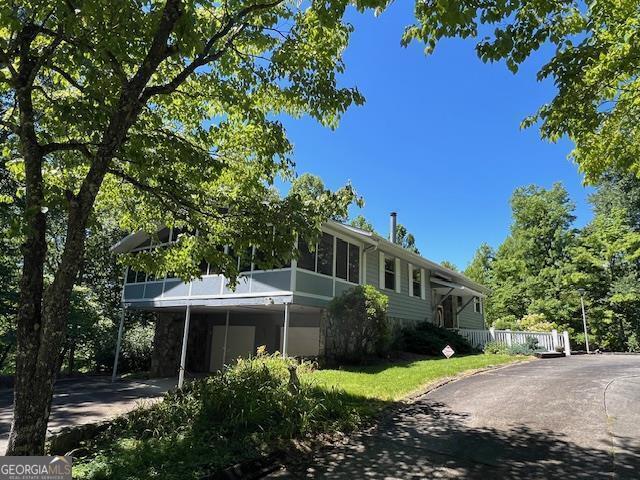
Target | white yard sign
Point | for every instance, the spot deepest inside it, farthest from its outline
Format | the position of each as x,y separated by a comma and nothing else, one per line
448,351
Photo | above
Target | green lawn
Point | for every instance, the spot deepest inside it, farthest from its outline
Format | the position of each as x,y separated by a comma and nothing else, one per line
391,382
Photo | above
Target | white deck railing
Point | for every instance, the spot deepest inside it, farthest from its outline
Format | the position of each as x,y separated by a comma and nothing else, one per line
548,341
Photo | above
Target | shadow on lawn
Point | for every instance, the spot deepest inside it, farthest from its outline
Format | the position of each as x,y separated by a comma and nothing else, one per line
427,440
381,364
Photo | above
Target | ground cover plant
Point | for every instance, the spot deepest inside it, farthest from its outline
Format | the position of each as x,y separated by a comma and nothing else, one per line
251,410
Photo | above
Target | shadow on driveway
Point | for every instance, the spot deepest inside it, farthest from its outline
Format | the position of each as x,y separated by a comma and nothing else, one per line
88,401
428,440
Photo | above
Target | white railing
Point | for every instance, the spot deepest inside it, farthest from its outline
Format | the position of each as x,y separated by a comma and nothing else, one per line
547,341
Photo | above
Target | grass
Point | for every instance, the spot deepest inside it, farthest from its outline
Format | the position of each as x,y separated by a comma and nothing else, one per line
393,382
252,410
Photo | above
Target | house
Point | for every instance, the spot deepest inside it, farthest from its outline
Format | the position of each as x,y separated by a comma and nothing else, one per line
281,308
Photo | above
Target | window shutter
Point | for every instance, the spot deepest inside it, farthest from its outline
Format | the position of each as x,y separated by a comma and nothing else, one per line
398,277
410,271
423,284
381,270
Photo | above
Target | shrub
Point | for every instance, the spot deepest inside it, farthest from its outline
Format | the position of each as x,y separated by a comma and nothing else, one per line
428,339
496,348
536,322
241,414
355,326
499,348
508,322
137,347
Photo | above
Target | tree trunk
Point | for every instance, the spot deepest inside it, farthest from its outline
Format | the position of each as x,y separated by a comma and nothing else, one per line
42,316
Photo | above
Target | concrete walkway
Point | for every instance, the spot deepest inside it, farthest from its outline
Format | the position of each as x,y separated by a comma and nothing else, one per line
88,401
576,417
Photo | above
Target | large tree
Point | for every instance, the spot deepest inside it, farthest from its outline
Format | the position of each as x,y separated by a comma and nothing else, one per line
166,111
594,64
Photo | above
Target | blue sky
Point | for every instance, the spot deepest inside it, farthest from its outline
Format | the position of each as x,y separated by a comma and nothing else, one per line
438,139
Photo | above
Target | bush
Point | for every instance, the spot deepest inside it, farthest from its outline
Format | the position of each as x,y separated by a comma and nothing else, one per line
498,348
137,347
508,322
428,339
244,413
536,322
355,326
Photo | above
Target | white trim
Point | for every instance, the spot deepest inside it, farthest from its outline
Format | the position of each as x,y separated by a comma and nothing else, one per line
363,267
335,263
410,271
423,284
398,277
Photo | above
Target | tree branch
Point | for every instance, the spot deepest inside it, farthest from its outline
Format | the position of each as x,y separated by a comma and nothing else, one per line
72,145
233,26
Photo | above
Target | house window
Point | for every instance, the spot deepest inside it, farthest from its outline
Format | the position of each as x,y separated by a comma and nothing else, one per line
460,300
477,305
347,261
204,267
307,259
325,255
320,261
135,277
417,282
389,273
354,263
342,259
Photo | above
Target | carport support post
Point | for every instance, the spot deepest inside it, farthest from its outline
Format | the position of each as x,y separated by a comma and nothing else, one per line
285,333
226,335
185,338
114,374
567,347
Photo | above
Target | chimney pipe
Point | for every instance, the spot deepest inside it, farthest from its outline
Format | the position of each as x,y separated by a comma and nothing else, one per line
393,227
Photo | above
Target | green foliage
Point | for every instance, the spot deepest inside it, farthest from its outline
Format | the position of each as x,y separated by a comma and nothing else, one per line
593,64
449,265
406,239
243,413
498,348
362,223
536,273
528,273
355,325
137,347
393,381
427,339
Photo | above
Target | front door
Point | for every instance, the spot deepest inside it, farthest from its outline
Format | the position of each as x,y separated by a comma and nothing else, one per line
447,306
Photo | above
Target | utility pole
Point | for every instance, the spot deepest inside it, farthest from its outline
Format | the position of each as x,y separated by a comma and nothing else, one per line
584,319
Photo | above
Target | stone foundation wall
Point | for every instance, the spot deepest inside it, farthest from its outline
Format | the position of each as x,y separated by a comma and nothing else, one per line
167,343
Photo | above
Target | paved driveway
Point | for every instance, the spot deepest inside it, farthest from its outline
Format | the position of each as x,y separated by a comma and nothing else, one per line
574,418
87,401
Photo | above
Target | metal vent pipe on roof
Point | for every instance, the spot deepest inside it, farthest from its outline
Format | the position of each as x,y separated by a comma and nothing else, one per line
393,227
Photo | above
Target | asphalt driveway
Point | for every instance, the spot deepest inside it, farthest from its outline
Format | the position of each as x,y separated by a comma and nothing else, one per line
87,401
576,417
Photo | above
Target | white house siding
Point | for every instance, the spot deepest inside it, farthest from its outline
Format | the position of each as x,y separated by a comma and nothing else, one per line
402,306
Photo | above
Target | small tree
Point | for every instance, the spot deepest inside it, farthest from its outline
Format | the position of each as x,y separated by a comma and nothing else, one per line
356,326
